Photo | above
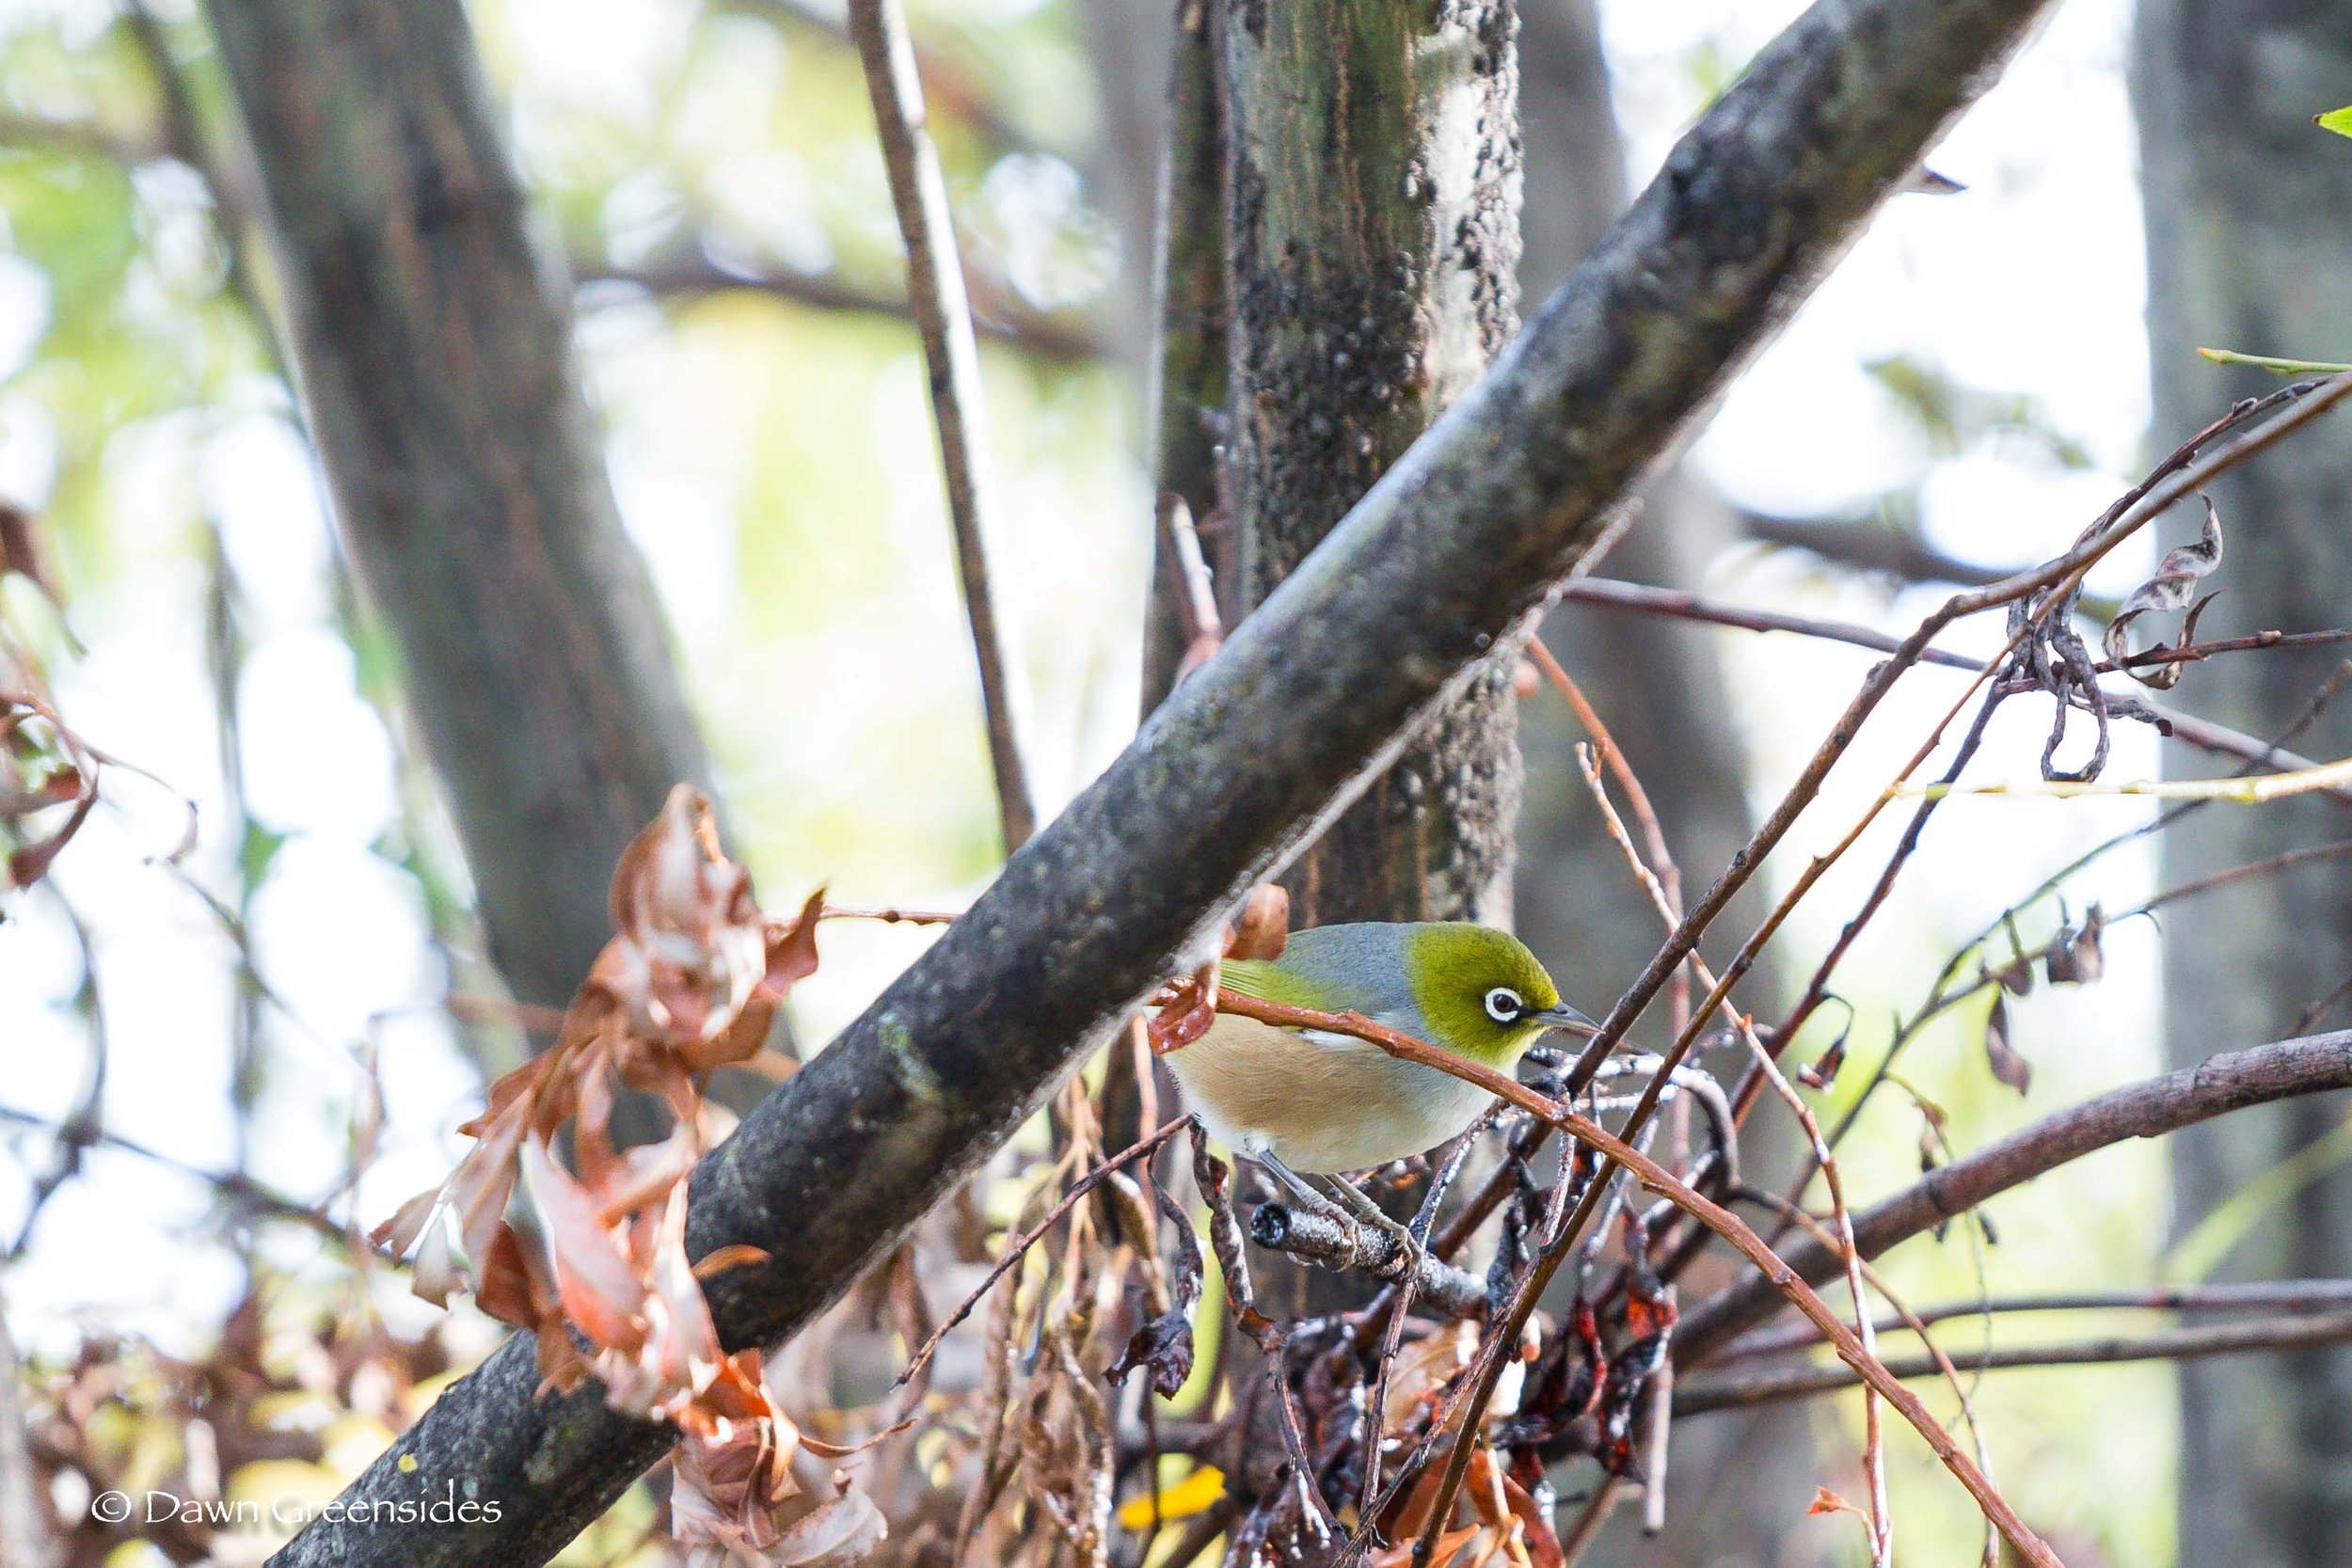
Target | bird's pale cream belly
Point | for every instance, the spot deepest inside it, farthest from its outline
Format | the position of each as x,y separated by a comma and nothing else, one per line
1318,1102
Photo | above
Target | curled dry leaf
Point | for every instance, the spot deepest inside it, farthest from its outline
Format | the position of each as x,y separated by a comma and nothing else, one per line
1164,1344
1827,1501
1260,932
2075,956
2171,587
840,1533
1821,1072
1265,926
750,1489
1186,1015
594,1263
2007,1066
1424,1366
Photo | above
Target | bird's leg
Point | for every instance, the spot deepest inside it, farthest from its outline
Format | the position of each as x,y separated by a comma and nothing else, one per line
1316,1202
1372,1213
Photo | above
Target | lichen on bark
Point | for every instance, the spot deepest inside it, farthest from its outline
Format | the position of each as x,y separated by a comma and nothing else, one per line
1372,194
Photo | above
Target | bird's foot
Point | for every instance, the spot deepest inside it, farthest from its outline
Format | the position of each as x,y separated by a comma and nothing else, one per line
1373,1214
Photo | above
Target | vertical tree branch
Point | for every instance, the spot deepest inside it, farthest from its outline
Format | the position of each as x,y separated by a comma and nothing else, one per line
1188,397
943,315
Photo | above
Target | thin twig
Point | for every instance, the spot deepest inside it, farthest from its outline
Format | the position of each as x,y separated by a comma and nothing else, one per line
2276,1296
889,914
1018,1249
1882,1519
237,1187
1589,1524
1942,996
2200,733
943,315
2231,1081
1204,625
1706,1391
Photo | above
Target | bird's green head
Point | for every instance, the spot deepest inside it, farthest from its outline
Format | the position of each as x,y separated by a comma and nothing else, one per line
1468,988
1480,992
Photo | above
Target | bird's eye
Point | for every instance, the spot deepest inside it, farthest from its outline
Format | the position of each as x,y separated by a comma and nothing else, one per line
1503,1005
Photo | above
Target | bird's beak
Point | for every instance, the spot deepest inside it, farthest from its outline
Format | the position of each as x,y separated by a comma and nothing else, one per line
1565,1017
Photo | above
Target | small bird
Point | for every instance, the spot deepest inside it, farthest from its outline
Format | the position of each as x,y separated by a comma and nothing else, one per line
1304,1102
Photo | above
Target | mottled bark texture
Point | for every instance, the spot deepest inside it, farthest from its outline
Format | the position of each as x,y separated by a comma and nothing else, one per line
432,341
1372,243
2247,203
1659,686
1451,551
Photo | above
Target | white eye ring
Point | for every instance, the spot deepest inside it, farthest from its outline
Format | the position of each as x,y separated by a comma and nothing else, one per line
1503,1005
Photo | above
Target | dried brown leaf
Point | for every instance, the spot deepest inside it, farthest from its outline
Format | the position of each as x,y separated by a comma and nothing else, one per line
2007,1065
1188,1014
840,1533
1265,926
2171,587
2076,956
1827,1501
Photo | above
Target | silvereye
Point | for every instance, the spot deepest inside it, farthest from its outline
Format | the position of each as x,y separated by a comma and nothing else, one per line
1307,1102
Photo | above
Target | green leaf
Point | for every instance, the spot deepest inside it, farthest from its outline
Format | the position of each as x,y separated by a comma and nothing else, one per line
2272,362
2338,121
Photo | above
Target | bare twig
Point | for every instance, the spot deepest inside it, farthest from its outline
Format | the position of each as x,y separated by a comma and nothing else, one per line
2200,733
1204,626
942,313
2276,1296
241,1190
1018,1247
1704,1391
1882,1519
2149,1109
1589,1524
1329,1242
688,272
889,914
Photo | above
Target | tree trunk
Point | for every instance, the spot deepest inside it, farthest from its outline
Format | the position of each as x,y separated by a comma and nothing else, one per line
2245,206
432,343
1372,236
